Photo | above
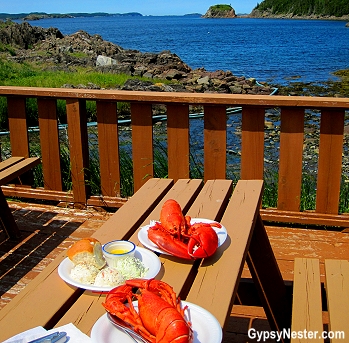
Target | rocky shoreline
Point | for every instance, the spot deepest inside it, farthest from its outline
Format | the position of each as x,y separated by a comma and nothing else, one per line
268,14
52,50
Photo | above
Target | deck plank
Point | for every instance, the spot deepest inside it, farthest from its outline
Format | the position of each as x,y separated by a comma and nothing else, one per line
289,243
306,307
337,289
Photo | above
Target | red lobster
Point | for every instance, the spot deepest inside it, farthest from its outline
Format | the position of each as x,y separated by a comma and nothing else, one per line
176,236
160,319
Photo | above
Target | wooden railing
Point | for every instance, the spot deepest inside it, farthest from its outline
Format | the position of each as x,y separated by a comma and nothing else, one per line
332,112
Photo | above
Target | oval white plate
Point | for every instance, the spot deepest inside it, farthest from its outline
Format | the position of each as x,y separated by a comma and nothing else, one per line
143,234
206,327
149,259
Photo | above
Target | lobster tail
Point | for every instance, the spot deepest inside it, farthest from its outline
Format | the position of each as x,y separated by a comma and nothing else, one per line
172,328
160,318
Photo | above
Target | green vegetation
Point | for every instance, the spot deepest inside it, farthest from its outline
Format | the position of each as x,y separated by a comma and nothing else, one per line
337,8
221,8
31,75
25,74
218,11
343,86
331,88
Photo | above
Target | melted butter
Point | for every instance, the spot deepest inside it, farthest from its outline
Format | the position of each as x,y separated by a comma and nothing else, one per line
118,251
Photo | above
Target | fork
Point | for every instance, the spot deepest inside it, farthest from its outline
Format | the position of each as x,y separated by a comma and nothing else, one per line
124,327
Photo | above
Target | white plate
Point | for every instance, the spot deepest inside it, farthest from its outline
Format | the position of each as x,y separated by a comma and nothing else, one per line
149,259
205,326
143,234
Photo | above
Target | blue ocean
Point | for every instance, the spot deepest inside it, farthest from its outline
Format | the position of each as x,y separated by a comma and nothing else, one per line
270,50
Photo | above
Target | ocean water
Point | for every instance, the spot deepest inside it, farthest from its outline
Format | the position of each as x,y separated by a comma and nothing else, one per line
271,50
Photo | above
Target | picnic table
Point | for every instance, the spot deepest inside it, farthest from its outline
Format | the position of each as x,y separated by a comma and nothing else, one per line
10,169
210,283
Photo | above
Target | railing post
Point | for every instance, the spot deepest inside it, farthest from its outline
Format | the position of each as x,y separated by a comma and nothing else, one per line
142,143
178,141
252,143
78,146
108,147
215,142
17,119
291,157
49,141
330,161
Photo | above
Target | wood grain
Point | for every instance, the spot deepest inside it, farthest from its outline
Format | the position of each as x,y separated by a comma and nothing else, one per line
307,307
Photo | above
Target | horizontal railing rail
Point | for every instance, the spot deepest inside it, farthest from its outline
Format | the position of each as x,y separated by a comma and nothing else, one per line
253,115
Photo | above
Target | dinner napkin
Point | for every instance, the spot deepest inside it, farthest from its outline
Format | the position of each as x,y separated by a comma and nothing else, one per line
74,334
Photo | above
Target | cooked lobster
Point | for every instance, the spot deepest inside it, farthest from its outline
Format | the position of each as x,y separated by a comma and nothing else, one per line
175,235
160,317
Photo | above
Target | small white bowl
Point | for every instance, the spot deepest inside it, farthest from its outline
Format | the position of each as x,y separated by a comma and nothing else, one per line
115,250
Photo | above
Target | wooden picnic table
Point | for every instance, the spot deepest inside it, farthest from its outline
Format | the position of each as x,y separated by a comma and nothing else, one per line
10,169
210,283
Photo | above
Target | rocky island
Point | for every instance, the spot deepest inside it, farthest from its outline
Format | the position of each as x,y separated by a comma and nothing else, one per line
220,11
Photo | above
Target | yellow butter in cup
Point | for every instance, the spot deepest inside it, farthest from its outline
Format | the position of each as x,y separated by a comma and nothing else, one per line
116,250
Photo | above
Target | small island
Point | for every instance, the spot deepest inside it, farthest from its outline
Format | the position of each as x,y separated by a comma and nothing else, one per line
220,11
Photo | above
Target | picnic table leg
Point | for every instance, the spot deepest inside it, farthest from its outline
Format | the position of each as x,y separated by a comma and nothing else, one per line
268,279
7,219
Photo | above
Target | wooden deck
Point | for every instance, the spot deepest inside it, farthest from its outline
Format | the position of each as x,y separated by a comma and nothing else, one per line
47,230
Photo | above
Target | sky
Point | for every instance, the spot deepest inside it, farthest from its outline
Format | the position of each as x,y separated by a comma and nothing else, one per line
145,7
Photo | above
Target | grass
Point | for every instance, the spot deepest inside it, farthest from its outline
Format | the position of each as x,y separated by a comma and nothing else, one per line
221,7
308,191
31,75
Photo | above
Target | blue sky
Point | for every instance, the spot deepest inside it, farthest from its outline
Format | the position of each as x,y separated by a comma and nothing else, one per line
145,7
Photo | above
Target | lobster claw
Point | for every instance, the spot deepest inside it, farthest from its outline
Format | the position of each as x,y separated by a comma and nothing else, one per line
203,241
168,243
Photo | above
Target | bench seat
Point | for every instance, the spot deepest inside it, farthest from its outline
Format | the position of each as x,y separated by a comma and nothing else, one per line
308,300
10,169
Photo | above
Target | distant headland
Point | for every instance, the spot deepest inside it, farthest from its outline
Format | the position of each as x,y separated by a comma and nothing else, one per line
288,9
43,15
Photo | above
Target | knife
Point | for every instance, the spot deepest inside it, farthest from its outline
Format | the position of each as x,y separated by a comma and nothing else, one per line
56,337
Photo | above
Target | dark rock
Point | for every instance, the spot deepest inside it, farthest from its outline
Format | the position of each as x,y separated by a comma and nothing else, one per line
24,35
137,85
173,74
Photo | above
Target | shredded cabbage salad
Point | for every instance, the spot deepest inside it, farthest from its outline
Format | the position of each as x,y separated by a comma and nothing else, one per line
131,267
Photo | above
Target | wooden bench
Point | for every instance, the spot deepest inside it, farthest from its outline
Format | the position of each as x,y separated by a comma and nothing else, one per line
307,312
10,169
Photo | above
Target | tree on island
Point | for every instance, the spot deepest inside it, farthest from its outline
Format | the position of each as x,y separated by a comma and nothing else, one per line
220,11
